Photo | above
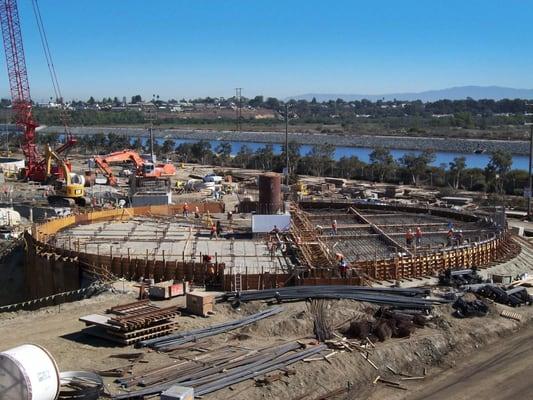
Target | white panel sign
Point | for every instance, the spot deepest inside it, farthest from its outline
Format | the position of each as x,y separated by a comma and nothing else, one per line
265,223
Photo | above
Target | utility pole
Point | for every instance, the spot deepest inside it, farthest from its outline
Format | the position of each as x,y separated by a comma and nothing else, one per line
238,108
151,130
150,114
529,176
287,140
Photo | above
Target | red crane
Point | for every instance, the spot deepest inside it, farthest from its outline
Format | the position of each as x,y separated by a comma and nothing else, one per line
20,89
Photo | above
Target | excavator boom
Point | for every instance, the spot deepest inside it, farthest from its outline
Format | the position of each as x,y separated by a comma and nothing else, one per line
142,167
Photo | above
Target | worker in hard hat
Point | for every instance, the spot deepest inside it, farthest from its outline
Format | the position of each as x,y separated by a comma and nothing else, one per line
418,236
343,267
334,227
409,237
449,237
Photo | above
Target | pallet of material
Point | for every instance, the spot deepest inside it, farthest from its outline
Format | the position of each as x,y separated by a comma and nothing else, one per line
132,322
128,323
101,333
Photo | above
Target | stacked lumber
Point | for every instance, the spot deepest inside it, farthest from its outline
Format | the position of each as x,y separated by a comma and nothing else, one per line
130,323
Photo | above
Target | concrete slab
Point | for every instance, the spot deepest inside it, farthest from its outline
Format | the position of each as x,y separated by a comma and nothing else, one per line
171,239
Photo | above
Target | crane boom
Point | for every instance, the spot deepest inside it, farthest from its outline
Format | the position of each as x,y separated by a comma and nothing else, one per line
36,165
20,88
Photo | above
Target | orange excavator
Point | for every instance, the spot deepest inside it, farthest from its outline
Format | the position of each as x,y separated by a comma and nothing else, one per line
143,168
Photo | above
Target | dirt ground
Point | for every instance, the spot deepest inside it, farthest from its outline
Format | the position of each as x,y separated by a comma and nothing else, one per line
499,371
437,347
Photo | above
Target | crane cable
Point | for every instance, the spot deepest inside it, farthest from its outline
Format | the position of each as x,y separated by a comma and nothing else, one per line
50,63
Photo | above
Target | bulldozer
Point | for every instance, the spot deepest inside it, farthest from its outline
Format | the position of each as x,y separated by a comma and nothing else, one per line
69,187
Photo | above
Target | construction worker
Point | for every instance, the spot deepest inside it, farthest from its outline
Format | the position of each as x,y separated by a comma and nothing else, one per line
275,230
209,269
458,238
196,212
213,231
334,227
343,267
186,210
409,237
418,236
208,219
219,229
449,238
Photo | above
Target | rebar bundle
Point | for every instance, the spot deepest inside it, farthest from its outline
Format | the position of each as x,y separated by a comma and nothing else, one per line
397,297
321,324
221,373
170,342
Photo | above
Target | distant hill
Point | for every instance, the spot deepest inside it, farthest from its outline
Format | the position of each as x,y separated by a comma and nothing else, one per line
454,93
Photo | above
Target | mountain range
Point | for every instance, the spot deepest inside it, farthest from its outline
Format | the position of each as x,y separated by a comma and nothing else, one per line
453,93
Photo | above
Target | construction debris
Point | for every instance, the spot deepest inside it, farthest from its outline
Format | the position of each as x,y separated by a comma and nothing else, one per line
388,323
80,385
458,278
132,322
511,315
514,297
470,306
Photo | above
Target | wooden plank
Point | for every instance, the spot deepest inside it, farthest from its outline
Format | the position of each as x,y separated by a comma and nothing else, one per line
96,319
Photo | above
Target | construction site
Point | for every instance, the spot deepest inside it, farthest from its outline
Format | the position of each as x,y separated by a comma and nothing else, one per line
128,277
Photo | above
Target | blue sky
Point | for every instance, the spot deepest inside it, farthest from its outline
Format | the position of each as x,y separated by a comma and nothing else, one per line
276,48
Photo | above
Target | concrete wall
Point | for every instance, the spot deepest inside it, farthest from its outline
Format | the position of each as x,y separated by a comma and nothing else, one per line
51,270
13,287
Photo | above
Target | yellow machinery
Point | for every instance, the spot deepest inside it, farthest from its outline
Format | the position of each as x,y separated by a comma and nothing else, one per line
69,187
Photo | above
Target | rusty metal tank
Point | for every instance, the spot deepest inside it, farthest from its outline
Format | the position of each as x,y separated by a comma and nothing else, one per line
270,201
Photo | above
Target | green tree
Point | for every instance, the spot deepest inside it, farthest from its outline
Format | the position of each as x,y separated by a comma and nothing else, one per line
184,152
497,169
136,99
137,144
350,167
51,138
457,167
272,103
223,151
201,151
320,159
264,157
168,146
243,157
382,163
100,142
416,165
294,156
464,119
257,101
